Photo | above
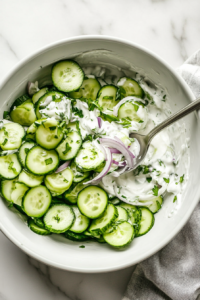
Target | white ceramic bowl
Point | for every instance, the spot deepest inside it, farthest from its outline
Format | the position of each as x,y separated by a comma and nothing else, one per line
56,250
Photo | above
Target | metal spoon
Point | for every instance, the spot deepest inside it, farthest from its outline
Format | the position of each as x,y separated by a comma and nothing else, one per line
145,140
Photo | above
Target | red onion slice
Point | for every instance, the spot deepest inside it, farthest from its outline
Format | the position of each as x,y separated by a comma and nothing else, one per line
32,88
99,121
117,139
119,146
120,171
112,150
63,167
121,163
105,169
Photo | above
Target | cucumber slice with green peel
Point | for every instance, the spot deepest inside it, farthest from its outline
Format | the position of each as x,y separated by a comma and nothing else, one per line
81,222
32,129
89,157
77,237
48,138
36,201
89,89
7,186
39,94
46,99
18,192
122,214
67,75
52,190
29,179
100,225
59,182
100,240
128,110
70,146
129,87
156,205
39,222
78,176
9,166
59,218
41,162
23,151
107,97
134,215
121,236
114,200
73,126
19,209
92,201
37,229
30,137
146,222
24,114
11,136
72,194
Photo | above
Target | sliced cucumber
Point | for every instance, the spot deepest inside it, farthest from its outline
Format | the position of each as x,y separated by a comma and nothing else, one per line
46,99
72,194
48,137
40,161
58,183
88,89
7,186
39,94
89,157
29,179
129,87
107,97
9,166
67,75
77,237
32,129
11,136
70,146
128,110
18,192
37,229
134,215
146,222
81,222
39,222
78,176
122,214
59,218
121,236
23,151
114,200
156,205
73,126
100,225
36,201
24,114
92,201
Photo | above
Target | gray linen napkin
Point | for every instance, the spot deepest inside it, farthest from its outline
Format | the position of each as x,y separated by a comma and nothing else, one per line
173,272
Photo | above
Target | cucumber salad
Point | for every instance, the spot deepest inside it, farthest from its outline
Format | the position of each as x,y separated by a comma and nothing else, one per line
67,162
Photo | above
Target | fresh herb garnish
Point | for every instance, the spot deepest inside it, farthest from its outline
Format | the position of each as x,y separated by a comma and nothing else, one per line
67,148
78,112
166,180
5,114
48,161
4,142
155,190
182,178
149,179
175,198
82,246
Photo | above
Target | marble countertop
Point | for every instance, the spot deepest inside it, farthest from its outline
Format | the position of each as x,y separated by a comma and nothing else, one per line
170,28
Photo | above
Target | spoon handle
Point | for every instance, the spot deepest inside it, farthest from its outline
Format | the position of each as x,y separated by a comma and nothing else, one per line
175,117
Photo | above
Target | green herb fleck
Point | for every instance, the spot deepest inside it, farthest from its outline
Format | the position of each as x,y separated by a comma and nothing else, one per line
146,170
161,162
67,148
78,112
108,97
48,161
166,180
155,190
175,198
149,179
57,218
5,114
141,121
136,107
85,157
82,246
26,150
182,178
4,142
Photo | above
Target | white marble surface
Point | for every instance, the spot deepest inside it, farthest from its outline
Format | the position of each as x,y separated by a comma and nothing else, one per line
170,28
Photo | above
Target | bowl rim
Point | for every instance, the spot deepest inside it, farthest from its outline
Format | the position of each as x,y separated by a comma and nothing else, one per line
189,95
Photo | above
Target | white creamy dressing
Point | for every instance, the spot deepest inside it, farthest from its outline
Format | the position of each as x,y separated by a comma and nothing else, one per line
58,110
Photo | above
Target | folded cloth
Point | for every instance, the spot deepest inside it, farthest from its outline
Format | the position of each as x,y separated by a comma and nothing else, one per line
173,272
